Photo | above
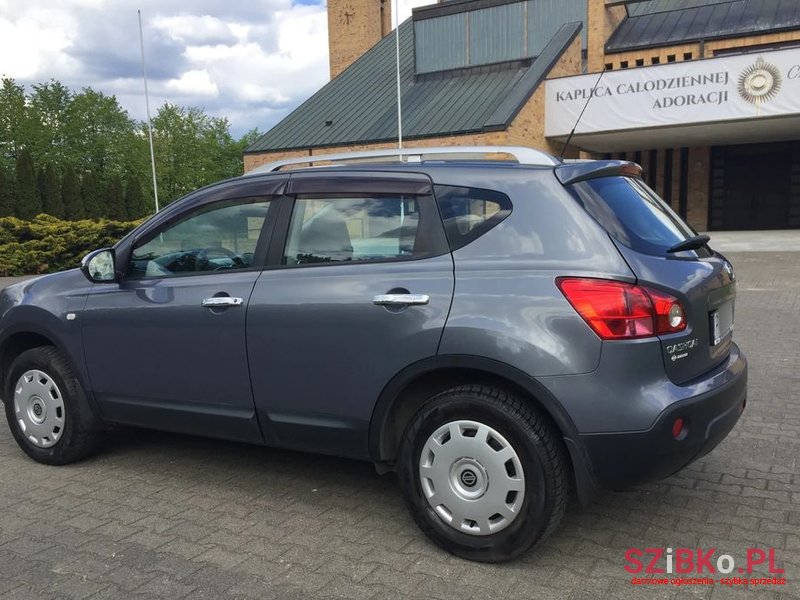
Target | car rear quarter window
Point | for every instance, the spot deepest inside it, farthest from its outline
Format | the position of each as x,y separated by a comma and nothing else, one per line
632,213
468,213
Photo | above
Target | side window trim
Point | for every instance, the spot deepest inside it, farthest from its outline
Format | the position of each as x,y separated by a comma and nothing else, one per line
208,205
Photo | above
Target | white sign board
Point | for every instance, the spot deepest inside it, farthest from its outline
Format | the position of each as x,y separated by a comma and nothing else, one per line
744,86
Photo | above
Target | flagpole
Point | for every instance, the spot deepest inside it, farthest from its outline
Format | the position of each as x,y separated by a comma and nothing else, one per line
397,64
147,104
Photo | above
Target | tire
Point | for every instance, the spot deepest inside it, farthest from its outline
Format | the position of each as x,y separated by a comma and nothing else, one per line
513,451
67,432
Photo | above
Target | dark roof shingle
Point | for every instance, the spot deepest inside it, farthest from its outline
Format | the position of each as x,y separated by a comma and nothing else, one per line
667,22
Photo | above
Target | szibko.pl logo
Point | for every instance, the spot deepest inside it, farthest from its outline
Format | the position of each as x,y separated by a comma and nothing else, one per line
653,564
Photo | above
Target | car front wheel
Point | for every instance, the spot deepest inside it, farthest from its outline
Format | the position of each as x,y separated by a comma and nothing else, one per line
46,408
483,473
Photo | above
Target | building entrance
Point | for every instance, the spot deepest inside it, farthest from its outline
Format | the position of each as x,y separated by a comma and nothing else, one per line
755,186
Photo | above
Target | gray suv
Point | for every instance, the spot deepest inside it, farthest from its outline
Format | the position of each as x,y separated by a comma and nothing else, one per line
504,334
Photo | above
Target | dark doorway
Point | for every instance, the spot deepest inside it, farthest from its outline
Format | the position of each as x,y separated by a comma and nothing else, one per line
752,187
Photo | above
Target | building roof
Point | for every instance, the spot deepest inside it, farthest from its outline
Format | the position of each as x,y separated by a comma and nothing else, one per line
360,105
667,22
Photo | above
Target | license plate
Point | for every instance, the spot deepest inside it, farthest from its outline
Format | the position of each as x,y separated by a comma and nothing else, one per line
721,323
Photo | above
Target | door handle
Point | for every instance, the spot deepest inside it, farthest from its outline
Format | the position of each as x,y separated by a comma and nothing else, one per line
221,302
400,299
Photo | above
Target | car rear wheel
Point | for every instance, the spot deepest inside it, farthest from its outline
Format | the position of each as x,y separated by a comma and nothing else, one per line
483,474
46,408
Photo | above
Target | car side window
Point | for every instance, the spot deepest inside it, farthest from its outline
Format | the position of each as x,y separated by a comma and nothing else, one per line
333,230
219,237
468,213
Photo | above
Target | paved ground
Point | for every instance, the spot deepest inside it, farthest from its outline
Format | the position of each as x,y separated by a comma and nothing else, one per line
787,240
158,515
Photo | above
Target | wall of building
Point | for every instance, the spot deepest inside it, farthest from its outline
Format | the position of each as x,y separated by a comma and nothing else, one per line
695,50
600,24
355,26
527,129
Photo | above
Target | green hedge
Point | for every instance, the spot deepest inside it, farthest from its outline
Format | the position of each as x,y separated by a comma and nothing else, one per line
47,244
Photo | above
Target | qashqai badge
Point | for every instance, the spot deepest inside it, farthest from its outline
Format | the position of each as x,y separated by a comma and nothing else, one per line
760,82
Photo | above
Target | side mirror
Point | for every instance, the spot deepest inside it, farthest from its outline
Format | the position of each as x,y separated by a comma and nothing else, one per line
99,266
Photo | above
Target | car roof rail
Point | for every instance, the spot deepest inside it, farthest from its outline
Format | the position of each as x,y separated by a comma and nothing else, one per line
524,156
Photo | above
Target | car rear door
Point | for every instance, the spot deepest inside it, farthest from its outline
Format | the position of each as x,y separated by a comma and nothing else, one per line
358,287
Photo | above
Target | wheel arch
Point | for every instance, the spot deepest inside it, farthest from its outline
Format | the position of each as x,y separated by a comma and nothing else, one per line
414,385
25,335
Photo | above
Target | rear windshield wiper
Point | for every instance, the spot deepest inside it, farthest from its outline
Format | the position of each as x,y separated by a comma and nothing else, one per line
693,243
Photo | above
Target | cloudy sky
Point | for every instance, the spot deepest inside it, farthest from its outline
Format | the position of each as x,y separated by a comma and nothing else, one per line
251,61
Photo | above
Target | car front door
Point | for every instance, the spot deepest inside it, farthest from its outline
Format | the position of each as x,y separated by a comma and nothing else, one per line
358,287
165,347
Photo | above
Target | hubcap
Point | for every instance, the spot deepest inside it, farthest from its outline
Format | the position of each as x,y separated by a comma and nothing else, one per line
472,477
39,408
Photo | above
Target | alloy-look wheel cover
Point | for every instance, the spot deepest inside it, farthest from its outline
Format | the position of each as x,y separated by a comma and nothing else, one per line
39,408
472,477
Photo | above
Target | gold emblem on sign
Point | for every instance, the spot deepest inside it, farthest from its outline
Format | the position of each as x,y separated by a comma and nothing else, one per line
760,82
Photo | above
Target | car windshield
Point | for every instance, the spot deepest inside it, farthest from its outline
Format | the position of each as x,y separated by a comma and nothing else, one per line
632,213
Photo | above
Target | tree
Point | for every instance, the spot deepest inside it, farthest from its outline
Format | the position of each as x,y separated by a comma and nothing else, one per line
6,206
26,202
115,201
48,105
93,196
71,196
192,149
136,204
51,193
12,121
91,140
99,135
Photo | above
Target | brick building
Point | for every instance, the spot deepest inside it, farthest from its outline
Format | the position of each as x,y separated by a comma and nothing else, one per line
704,94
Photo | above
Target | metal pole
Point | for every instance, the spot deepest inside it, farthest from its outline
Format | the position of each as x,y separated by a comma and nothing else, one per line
397,60
147,104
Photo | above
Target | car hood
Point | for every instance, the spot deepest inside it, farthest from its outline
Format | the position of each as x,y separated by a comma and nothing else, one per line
44,289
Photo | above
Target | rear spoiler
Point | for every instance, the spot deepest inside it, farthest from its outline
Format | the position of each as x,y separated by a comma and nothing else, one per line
573,172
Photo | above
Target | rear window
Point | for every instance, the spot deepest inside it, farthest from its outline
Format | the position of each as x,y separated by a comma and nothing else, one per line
632,213
468,213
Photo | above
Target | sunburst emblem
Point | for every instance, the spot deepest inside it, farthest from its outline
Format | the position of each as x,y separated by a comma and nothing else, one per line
760,82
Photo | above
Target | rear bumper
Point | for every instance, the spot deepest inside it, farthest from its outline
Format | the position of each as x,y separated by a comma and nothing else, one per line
620,460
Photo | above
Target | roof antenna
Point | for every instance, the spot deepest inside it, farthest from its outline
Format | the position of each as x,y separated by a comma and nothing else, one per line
580,116
397,64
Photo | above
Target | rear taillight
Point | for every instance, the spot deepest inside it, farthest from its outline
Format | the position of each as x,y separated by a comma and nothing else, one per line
616,310
668,311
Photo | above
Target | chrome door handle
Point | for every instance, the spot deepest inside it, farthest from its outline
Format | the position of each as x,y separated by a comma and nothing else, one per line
400,299
221,302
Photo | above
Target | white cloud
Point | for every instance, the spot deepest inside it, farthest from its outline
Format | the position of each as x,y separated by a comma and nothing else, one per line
30,43
251,62
195,82
204,29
